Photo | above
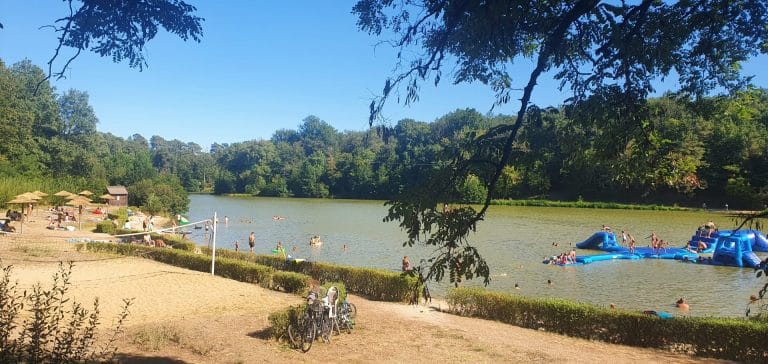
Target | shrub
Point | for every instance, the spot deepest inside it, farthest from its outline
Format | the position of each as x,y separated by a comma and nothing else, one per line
375,283
52,330
280,320
291,282
106,227
731,339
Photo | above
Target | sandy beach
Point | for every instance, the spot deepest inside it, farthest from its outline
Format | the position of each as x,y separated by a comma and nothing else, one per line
182,316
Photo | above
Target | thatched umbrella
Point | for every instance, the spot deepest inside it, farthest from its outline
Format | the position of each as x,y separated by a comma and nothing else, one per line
85,193
40,193
29,196
63,193
79,201
21,200
106,197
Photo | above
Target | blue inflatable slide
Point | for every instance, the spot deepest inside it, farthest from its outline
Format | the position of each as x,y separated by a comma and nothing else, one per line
734,248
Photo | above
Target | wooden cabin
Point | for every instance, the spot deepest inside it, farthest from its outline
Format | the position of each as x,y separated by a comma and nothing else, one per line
119,194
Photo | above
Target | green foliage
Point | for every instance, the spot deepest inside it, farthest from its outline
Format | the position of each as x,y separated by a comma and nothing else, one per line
730,339
163,194
106,226
279,320
44,326
587,204
291,282
120,31
375,283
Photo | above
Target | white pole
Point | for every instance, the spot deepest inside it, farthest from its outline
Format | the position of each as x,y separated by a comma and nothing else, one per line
213,244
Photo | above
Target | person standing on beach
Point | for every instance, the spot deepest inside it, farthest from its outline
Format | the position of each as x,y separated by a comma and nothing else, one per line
252,241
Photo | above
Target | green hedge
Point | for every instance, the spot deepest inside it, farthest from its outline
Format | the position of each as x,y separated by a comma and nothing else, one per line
377,284
106,227
280,320
290,281
732,339
228,268
175,241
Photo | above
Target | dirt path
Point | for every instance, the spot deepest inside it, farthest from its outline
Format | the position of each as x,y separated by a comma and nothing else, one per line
181,316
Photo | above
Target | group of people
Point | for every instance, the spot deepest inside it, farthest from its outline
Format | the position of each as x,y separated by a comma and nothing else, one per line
564,258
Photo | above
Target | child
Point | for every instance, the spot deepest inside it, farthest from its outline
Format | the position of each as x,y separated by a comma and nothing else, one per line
237,246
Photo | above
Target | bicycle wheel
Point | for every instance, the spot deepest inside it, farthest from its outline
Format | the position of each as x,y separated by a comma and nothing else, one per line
308,335
352,310
345,324
326,326
294,335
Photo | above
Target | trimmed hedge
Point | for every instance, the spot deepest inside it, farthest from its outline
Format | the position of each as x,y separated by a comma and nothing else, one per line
291,282
175,241
225,267
722,338
106,227
377,284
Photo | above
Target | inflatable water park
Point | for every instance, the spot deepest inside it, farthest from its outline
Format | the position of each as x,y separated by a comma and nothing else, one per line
733,248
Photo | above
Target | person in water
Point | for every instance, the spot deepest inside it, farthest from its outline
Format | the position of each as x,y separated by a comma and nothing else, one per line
407,264
252,241
682,305
631,243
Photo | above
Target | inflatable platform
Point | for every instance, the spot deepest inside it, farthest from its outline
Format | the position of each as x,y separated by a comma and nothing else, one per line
734,248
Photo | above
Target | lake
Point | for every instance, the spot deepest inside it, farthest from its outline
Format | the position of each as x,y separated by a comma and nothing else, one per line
514,240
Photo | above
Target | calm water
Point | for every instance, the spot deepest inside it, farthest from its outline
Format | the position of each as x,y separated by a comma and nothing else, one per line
513,240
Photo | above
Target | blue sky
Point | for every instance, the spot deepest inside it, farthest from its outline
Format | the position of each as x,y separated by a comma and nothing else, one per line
261,66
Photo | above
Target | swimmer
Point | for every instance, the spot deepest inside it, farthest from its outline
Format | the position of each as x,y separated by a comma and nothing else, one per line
517,286
682,305
549,282
344,248
613,306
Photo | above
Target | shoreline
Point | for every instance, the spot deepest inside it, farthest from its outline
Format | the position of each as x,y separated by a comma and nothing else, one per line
215,320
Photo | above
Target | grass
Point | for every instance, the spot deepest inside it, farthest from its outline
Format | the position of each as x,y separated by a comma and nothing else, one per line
34,251
155,338
588,205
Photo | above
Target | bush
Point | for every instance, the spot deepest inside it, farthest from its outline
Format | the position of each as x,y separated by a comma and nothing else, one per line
378,284
53,330
106,227
280,320
731,339
291,282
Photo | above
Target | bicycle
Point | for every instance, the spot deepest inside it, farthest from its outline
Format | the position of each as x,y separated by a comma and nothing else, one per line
345,317
305,330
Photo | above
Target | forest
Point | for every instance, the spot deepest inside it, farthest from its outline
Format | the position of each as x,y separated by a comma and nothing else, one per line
682,150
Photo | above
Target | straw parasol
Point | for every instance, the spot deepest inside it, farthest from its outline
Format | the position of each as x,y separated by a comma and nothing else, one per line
106,197
29,196
79,201
85,193
78,197
63,193
22,200
40,193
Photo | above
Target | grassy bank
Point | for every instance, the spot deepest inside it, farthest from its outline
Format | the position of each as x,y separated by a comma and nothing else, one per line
588,205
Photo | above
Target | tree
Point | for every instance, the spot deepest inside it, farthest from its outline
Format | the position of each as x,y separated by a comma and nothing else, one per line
77,115
120,29
595,48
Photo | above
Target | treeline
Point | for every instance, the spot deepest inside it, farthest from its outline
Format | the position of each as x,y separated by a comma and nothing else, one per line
709,150
49,141
712,150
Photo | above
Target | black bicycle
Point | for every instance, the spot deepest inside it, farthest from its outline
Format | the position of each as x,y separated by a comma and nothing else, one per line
303,332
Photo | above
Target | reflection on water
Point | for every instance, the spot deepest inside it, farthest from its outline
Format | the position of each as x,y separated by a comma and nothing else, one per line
514,240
